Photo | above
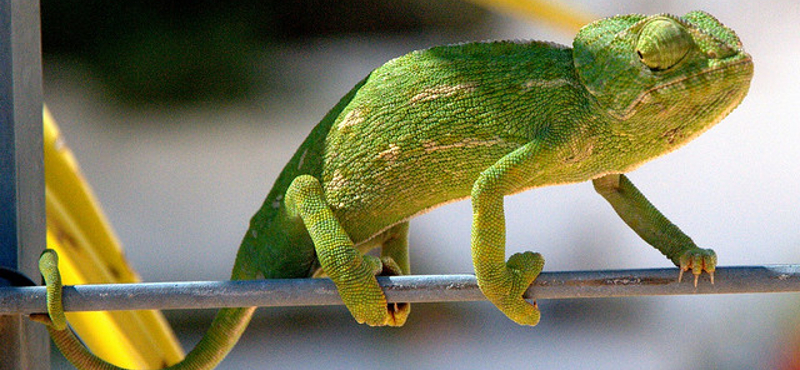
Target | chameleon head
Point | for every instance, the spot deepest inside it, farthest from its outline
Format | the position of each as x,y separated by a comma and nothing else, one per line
664,79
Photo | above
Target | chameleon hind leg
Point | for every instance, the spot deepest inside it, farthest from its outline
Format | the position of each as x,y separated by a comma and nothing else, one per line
351,271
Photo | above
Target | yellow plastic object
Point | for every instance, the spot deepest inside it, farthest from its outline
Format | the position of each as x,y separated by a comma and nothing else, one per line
89,254
552,11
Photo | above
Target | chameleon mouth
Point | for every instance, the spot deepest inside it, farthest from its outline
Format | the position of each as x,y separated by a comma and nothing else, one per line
741,71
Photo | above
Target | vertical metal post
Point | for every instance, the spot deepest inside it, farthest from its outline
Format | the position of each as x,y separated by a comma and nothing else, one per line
23,344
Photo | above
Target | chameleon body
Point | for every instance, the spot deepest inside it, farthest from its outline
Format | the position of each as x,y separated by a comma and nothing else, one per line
482,121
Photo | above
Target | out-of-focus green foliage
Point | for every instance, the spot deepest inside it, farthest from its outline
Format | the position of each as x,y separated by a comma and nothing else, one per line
195,50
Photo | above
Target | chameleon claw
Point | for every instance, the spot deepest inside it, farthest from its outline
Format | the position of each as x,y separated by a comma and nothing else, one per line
696,277
698,261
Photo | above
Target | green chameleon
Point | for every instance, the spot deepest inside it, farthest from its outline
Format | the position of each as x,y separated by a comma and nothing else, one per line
481,121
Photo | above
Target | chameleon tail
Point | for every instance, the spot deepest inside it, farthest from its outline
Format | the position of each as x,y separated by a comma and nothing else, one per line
225,330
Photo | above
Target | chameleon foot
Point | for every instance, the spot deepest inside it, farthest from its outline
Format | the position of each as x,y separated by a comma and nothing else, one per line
365,299
398,312
505,288
698,260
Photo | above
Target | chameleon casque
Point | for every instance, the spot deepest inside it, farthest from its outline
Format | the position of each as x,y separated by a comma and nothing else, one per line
481,121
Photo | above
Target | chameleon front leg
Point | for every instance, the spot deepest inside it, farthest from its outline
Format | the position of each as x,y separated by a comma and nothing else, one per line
654,228
352,272
503,283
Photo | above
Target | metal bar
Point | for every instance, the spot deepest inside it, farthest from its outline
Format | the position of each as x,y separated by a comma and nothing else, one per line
415,289
25,345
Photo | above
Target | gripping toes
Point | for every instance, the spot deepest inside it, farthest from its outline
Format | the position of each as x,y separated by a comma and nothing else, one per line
505,289
397,312
698,260
527,266
365,299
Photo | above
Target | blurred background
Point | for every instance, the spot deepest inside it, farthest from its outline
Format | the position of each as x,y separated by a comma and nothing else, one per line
182,114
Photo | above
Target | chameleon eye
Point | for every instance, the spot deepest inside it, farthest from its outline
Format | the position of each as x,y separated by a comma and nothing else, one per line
662,44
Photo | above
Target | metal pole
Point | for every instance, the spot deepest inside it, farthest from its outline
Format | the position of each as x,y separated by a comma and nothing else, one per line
25,345
414,289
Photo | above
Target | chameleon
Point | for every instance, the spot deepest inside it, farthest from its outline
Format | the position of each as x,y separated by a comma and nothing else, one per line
479,120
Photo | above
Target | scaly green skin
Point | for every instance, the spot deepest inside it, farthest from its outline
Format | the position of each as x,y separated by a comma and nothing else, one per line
486,120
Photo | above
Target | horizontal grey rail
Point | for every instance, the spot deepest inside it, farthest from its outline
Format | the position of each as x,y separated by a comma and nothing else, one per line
413,288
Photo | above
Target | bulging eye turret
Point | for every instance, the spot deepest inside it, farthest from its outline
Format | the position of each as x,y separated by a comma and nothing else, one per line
662,44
